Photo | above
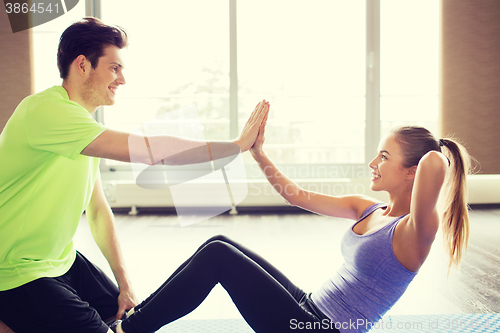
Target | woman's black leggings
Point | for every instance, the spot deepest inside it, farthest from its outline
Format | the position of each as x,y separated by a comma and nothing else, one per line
267,299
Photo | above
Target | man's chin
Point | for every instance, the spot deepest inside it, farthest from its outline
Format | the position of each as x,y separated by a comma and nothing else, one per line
109,102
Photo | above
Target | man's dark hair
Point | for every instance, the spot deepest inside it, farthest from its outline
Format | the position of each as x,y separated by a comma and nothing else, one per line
89,37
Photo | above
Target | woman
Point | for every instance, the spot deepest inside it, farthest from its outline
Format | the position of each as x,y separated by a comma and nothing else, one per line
383,251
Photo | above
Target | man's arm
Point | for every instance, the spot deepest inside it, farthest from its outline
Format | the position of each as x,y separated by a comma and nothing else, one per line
173,150
102,225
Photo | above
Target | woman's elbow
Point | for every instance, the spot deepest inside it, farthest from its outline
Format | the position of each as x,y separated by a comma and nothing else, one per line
434,160
295,197
433,165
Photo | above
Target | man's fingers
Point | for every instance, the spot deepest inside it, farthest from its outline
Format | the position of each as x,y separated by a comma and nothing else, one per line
257,116
252,116
119,315
257,111
121,311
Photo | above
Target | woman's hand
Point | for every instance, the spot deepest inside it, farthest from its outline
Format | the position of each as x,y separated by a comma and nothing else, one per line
257,147
251,130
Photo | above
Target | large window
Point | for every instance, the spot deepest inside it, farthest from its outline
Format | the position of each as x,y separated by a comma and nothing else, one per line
314,60
308,58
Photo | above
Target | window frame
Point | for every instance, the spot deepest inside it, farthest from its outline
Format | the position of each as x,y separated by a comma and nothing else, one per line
372,92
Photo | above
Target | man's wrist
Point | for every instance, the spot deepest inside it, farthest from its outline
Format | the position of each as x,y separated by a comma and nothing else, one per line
238,143
124,283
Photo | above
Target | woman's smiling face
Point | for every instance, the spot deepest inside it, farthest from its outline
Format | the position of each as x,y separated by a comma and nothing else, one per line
387,168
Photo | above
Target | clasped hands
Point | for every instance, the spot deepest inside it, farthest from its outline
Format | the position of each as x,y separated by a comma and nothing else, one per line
252,136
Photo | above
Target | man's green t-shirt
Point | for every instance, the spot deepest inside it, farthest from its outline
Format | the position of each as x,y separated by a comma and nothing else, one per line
45,185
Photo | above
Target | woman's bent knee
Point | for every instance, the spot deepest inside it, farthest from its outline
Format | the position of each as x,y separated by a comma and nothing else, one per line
220,251
221,238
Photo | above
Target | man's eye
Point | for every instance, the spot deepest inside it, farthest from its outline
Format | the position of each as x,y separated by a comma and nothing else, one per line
115,69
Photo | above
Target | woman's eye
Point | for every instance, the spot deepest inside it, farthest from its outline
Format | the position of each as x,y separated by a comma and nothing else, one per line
383,157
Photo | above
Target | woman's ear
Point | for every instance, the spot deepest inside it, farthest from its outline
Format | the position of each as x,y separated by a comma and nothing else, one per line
411,172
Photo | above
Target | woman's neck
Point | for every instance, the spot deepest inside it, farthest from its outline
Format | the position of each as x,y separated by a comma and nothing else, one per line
398,205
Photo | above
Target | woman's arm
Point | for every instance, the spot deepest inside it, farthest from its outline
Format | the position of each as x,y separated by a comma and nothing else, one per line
350,206
429,178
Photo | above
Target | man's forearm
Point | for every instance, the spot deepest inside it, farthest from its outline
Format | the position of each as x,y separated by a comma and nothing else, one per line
103,229
170,150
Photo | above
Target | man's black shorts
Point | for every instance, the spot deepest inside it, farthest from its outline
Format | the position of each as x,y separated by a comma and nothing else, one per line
76,302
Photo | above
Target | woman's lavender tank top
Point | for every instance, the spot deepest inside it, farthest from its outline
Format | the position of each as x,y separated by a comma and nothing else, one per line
369,282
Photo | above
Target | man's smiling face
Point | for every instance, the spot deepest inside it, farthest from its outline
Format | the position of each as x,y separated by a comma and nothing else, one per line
99,88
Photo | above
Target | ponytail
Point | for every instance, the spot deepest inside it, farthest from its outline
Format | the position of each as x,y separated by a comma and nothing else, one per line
455,218
415,142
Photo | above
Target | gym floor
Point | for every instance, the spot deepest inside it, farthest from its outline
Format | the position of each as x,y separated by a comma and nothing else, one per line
306,247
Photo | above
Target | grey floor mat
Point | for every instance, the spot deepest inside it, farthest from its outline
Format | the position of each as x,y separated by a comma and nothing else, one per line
207,326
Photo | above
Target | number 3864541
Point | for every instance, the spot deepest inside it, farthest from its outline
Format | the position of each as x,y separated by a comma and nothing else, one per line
36,8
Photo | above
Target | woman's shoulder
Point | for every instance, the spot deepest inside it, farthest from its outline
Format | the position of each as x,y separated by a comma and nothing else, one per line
362,203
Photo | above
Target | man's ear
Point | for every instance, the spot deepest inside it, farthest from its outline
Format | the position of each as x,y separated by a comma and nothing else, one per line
411,172
82,65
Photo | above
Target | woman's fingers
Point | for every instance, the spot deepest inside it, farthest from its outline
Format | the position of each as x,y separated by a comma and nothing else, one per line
264,121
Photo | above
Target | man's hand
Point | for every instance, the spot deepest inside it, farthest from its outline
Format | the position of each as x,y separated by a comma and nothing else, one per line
251,130
126,301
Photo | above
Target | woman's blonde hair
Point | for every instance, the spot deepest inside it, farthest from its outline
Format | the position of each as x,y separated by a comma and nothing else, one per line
455,220
415,142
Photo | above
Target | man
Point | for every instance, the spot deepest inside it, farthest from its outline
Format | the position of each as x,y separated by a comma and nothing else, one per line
49,154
